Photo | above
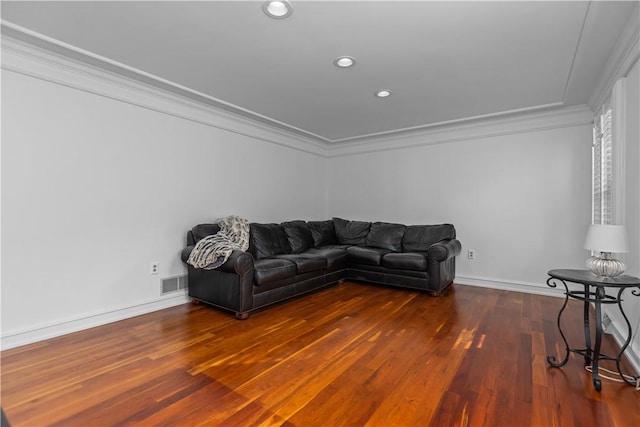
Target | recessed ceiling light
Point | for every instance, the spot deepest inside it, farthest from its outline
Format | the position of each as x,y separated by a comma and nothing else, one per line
383,93
277,9
344,62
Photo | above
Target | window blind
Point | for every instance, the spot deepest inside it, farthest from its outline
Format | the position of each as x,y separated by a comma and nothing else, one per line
602,166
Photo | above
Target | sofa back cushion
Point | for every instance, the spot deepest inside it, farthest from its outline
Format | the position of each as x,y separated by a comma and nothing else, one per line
418,238
323,232
267,240
201,231
385,235
351,232
299,236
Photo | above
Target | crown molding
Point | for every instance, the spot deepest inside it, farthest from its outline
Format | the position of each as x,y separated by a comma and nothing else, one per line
622,58
34,55
522,123
462,121
32,60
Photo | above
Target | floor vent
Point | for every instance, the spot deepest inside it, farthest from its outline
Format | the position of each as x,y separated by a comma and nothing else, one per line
182,282
173,284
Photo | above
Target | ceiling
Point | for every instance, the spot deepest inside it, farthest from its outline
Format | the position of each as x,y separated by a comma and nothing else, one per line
444,62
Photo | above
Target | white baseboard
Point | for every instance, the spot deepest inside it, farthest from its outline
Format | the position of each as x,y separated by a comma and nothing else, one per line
632,353
619,332
527,288
43,332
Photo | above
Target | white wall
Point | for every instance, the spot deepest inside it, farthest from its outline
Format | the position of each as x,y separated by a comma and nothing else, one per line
521,200
632,169
631,214
94,189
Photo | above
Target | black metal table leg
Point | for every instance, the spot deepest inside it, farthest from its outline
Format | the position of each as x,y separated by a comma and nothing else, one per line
597,384
551,360
587,328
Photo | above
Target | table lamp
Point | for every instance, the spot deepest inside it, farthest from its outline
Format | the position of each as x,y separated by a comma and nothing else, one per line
606,239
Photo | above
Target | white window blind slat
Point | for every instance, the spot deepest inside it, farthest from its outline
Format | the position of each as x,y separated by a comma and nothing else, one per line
602,166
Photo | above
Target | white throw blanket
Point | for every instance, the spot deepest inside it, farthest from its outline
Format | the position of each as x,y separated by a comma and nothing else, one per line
213,251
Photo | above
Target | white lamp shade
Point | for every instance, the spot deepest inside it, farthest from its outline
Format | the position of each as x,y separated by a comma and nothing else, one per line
606,238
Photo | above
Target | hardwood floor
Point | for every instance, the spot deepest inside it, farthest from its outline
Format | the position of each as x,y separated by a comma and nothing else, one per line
351,355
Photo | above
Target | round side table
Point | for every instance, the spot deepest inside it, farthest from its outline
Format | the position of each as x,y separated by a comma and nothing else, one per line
594,291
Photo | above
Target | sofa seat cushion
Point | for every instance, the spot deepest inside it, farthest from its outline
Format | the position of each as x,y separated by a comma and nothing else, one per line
405,261
305,263
336,257
269,270
366,255
342,248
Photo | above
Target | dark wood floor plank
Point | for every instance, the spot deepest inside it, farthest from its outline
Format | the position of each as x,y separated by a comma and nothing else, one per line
351,355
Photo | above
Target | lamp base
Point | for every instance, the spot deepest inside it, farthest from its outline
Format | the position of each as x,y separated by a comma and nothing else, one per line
605,266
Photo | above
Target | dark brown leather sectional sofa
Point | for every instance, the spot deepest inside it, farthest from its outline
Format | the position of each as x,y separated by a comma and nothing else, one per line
296,257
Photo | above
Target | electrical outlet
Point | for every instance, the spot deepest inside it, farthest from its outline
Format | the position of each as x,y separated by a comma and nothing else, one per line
471,253
155,268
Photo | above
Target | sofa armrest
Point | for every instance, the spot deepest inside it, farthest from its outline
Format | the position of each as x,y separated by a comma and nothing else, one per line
444,250
239,262
230,286
441,264
184,255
